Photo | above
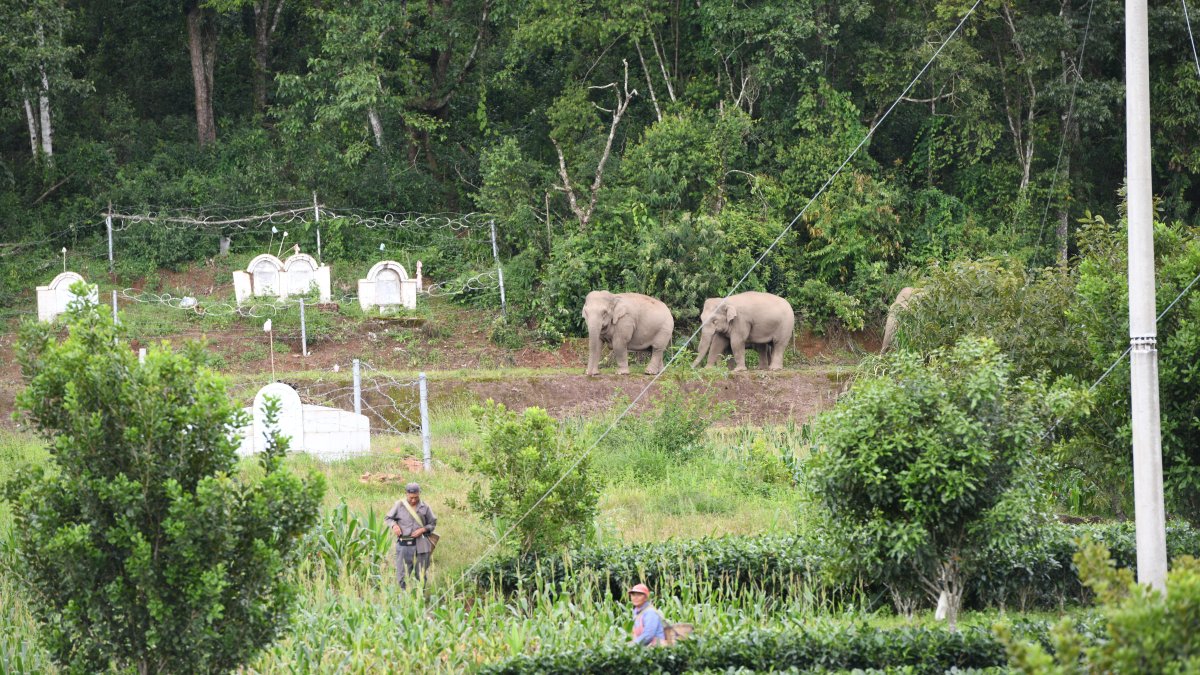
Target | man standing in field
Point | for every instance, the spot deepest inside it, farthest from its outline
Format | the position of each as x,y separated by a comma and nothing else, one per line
647,622
412,522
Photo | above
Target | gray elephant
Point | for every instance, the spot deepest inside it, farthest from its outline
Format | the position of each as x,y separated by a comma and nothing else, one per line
903,298
759,320
626,322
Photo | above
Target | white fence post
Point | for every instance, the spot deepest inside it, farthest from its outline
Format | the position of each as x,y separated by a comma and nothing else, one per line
426,439
142,355
357,389
499,269
108,223
303,331
317,218
115,320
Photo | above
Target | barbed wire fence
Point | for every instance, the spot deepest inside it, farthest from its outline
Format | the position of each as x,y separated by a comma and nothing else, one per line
77,243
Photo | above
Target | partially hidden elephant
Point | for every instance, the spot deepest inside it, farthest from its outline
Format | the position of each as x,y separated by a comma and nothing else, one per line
903,298
760,320
626,322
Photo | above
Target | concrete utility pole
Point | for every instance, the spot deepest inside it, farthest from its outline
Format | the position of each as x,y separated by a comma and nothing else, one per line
1143,357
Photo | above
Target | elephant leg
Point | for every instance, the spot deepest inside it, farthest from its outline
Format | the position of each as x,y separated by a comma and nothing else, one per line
777,351
739,353
764,355
621,354
656,361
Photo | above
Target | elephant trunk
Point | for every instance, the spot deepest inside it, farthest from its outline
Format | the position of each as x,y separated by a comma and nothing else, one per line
593,349
706,335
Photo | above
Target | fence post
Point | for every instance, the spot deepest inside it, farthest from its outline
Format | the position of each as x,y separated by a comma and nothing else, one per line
317,218
499,268
357,389
303,331
108,223
115,320
426,440
142,355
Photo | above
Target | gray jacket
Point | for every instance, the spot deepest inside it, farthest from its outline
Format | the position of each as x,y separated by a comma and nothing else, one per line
399,515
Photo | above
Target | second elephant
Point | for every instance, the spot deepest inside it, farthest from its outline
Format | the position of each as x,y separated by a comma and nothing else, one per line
626,322
760,320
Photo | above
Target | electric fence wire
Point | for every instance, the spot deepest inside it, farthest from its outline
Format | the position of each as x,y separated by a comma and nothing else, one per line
641,394
1070,115
1188,21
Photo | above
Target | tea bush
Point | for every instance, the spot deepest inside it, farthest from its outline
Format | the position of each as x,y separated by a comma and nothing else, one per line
915,650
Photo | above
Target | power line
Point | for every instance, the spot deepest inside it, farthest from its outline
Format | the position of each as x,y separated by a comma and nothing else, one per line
733,290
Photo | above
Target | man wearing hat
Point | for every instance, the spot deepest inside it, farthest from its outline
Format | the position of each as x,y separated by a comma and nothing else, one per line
412,522
647,622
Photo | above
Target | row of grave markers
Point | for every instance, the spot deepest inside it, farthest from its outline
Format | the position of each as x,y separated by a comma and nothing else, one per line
386,287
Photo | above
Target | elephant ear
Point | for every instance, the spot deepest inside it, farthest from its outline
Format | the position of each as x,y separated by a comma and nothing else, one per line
619,311
730,312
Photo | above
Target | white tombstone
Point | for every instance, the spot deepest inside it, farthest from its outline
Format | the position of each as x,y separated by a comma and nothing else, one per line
268,276
54,297
387,286
327,433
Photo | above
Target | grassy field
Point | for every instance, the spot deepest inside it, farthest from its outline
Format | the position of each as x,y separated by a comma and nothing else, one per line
353,619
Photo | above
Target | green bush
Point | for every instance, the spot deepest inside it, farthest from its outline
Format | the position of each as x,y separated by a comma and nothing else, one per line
1146,631
140,543
916,650
537,483
926,468
1036,572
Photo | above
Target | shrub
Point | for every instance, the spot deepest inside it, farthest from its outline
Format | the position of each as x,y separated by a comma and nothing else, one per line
1146,631
925,468
916,650
142,546
525,458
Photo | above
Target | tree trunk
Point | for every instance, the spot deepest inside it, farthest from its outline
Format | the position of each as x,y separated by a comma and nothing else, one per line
376,127
1061,232
33,128
44,104
266,19
202,47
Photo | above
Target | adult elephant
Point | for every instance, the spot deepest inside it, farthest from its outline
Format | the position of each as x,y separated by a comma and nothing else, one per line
903,298
761,320
626,322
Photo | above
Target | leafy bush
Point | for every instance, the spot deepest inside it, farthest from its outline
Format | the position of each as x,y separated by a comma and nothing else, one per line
916,650
1035,572
523,457
142,545
925,468
1146,632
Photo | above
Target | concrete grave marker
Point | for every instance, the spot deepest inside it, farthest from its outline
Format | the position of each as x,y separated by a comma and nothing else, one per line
268,276
327,433
54,297
388,286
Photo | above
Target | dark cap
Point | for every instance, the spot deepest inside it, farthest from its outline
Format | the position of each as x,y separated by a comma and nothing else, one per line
412,487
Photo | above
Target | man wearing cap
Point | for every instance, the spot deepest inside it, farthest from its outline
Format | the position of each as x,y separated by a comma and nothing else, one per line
411,521
647,623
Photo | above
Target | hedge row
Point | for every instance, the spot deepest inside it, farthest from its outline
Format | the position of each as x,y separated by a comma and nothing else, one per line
1039,573
916,650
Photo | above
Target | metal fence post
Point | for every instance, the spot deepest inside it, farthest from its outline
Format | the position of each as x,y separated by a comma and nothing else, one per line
108,223
426,438
357,389
303,331
499,269
317,219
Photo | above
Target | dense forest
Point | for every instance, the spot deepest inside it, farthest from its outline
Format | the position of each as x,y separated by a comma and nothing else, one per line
657,146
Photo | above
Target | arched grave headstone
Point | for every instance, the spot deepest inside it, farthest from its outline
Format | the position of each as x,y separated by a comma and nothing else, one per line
54,297
327,433
268,276
388,286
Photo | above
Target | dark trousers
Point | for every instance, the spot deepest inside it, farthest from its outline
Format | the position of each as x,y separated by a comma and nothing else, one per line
409,561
